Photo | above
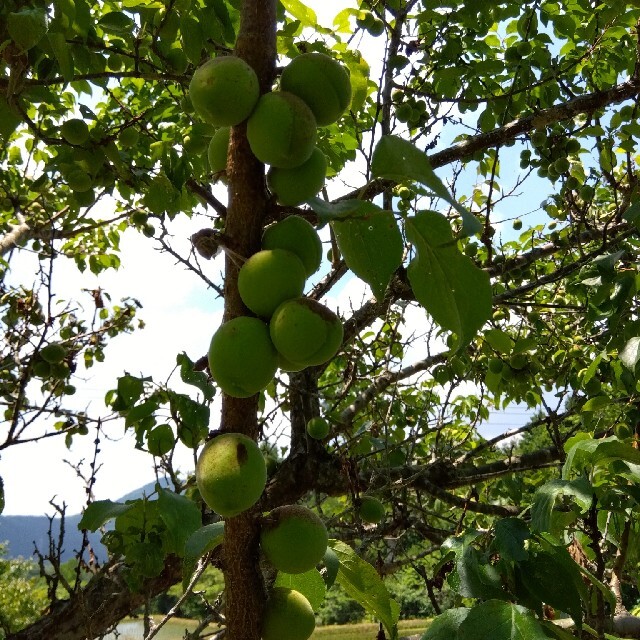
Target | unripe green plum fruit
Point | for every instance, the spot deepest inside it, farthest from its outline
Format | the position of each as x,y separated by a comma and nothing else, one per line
318,428
269,278
293,186
371,509
623,431
75,131
322,82
295,234
128,137
293,539
288,616
517,224
53,353
496,365
561,165
84,198
231,474
224,91
518,361
242,358
306,332
376,28
282,130
79,180
218,149
41,369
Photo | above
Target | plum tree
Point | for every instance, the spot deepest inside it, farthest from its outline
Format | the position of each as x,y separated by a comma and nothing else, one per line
305,332
288,616
218,148
269,278
370,509
295,234
322,82
293,186
282,130
75,131
293,538
224,91
231,473
318,428
242,358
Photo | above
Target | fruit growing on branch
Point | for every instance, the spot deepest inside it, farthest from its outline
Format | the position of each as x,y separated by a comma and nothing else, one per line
322,82
269,278
293,539
242,358
282,130
224,91
318,428
75,131
297,235
288,616
371,510
218,149
293,186
231,473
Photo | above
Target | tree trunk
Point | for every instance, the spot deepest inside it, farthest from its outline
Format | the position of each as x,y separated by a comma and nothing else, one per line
244,587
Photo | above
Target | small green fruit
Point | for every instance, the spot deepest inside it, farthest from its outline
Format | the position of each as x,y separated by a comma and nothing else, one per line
242,358
85,198
322,82
231,474
224,91
75,131
295,234
218,149
306,332
318,428
518,361
562,165
496,365
293,539
53,353
79,180
41,369
296,185
288,616
128,137
269,278
282,130
371,509
517,224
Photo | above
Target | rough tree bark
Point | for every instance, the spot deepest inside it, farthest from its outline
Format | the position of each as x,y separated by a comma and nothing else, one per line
246,211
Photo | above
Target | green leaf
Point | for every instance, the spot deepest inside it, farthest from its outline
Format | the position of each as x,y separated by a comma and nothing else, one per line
544,500
594,404
446,625
551,579
500,620
99,512
160,440
181,516
62,53
446,283
361,581
191,38
198,379
398,159
198,543
147,558
27,27
359,72
510,536
630,353
476,578
310,584
300,12
371,245
130,389
116,22
499,340
9,120
588,452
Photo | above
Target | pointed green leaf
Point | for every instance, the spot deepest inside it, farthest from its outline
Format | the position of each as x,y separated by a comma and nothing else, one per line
310,584
198,543
545,497
371,245
116,22
198,379
62,52
300,12
446,283
9,120
446,625
191,38
27,27
99,512
500,620
511,534
361,581
181,516
589,452
630,353
397,159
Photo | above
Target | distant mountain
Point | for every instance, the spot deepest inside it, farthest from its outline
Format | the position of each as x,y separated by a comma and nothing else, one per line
23,534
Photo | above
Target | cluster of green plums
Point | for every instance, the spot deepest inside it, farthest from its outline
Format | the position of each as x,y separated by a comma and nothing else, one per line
554,152
231,475
314,91
289,331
